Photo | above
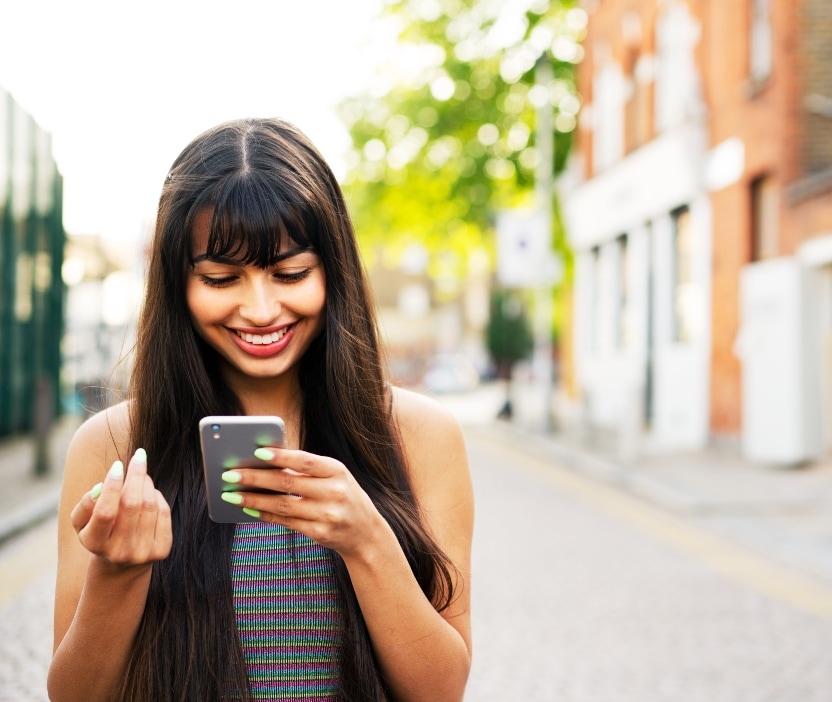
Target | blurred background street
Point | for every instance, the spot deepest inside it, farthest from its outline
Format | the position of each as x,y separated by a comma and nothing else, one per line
599,232
583,591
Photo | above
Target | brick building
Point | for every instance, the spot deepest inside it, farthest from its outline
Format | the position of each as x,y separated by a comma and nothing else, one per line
699,203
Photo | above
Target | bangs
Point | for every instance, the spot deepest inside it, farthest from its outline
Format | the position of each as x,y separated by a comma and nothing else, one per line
253,219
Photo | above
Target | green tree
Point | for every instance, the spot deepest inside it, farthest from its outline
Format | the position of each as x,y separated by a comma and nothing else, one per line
445,148
508,338
508,333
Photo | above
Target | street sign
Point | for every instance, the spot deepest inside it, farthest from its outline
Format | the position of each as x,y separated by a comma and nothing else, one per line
524,257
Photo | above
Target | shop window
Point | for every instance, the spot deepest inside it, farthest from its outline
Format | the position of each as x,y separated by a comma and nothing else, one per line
622,316
631,114
760,41
597,287
604,298
764,216
608,116
677,94
637,67
683,284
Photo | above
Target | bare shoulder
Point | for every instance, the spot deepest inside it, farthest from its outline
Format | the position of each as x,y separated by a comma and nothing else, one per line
434,446
95,446
98,442
437,461
421,418
107,431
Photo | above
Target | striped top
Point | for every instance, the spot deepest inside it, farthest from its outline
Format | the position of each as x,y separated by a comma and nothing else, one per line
286,606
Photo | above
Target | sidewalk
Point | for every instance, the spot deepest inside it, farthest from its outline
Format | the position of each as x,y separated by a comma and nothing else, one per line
703,482
26,499
781,513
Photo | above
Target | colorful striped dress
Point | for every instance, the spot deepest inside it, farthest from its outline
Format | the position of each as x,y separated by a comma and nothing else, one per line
287,612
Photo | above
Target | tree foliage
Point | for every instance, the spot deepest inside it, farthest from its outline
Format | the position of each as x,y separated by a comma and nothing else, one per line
508,335
450,141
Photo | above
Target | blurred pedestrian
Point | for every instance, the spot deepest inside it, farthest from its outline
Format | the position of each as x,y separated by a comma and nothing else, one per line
353,580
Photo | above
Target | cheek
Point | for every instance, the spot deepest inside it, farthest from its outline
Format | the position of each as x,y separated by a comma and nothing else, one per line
202,307
317,301
320,312
311,299
192,300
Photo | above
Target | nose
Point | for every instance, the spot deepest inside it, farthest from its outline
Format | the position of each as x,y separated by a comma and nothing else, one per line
260,305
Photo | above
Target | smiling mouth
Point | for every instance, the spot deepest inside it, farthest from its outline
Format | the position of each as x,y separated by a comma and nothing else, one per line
263,339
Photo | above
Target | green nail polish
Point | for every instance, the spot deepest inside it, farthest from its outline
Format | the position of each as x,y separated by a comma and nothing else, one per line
232,498
96,490
231,476
140,455
252,512
117,470
264,454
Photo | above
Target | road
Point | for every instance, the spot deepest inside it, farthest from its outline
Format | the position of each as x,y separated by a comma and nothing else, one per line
581,594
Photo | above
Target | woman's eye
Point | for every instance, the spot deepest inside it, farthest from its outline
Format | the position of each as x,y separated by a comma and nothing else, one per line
217,282
293,277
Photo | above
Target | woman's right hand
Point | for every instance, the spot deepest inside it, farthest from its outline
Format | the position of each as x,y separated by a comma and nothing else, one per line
125,520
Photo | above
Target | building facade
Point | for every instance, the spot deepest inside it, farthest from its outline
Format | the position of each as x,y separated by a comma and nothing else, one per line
31,286
699,205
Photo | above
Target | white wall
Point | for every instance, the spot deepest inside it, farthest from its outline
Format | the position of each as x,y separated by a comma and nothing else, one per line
657,178
636,197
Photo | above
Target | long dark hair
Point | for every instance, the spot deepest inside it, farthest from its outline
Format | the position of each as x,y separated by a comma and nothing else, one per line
264,181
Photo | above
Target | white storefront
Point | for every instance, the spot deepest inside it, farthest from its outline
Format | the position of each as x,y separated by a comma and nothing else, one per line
641,231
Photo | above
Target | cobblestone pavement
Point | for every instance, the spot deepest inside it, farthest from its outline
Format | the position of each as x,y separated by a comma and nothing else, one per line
582,593
27,587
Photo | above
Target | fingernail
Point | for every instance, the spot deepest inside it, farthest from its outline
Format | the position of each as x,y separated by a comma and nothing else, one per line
96,490
264,454
231,476
252,512
117,470
232,498
140,455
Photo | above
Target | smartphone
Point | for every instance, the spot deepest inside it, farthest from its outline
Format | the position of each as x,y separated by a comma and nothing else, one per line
229,442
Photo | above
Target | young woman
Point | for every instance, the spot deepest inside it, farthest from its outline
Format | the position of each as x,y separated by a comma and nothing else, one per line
353,583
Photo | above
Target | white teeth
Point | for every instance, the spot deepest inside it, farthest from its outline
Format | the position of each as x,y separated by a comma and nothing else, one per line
262,338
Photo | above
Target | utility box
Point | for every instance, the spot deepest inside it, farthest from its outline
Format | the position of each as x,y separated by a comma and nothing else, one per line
779,426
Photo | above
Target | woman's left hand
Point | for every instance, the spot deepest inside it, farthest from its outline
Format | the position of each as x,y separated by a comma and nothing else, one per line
316,496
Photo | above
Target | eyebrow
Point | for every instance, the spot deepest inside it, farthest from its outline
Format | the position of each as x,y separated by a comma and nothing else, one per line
236,262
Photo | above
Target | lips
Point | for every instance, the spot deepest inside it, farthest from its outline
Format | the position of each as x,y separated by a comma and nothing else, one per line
261,339
263,344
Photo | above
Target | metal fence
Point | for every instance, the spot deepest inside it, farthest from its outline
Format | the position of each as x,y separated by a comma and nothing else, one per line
31,287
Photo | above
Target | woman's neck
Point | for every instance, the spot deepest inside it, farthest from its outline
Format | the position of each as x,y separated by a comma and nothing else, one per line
281,396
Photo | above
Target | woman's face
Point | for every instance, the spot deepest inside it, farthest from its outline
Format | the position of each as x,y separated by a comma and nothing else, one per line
260,321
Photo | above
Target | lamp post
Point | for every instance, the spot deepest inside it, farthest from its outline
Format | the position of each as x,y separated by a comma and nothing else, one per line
544,184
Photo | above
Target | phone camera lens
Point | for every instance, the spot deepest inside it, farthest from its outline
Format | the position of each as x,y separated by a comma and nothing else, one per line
215,427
